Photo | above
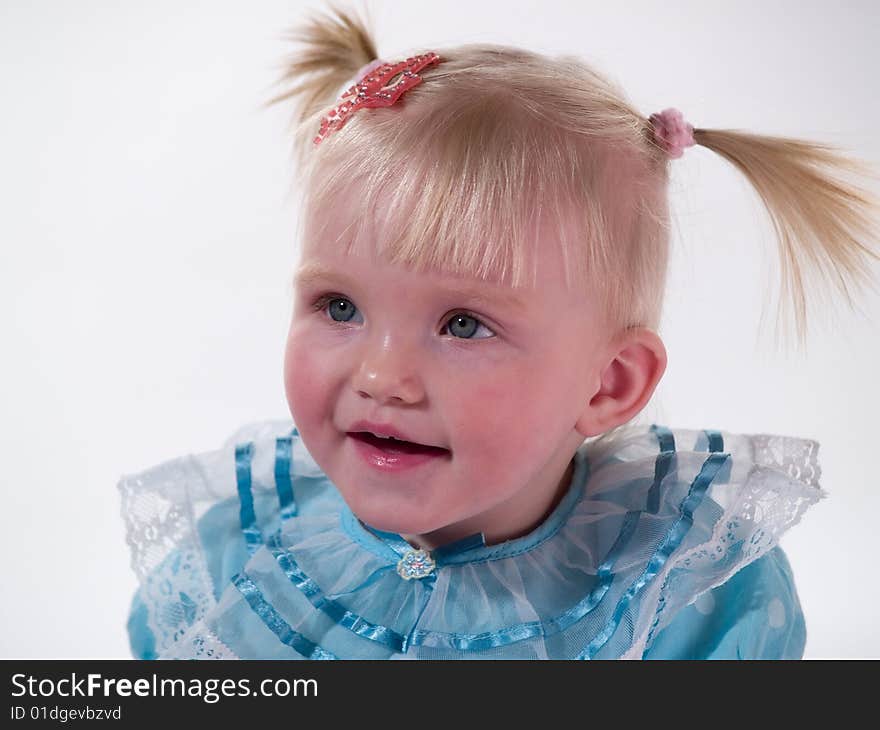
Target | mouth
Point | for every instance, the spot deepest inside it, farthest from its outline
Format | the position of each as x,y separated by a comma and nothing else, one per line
396,446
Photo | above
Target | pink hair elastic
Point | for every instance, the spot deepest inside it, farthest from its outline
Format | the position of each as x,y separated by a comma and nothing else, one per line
672,132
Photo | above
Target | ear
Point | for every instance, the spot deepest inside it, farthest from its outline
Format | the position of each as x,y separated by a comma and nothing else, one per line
635,362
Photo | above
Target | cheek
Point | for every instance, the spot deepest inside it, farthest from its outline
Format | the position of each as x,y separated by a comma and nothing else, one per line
305,381
511,414
492,413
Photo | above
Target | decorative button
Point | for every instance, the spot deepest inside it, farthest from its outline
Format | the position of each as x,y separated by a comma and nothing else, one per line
415,564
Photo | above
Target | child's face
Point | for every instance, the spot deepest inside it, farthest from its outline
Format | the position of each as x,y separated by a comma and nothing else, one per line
502,392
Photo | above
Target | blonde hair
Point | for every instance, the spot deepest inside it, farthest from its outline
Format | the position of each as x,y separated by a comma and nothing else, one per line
496,137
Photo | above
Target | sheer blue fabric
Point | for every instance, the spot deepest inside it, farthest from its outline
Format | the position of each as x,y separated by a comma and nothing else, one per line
665,546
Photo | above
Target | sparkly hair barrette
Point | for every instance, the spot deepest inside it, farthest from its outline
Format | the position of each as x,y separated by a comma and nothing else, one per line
380,86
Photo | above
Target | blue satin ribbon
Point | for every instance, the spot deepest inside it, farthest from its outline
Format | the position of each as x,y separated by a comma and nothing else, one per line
252,537
670,542
283,484
477,540
401,547
666,442
283,630
244,454
714,443
328,604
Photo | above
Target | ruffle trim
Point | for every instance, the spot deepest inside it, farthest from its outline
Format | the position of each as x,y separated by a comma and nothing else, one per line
760,493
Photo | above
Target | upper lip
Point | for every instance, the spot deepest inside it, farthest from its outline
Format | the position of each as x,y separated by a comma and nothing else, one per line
385,430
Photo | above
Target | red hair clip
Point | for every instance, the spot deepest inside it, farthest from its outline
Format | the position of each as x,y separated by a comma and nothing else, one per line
376,90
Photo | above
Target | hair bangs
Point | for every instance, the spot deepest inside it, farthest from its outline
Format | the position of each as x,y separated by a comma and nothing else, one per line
461,191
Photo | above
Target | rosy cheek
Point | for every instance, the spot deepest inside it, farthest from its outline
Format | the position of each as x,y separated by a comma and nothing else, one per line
303,383
491,410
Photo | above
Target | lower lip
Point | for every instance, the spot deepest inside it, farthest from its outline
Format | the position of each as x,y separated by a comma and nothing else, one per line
388,461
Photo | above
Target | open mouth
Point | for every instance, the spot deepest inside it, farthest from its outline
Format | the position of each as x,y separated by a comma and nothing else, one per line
396,446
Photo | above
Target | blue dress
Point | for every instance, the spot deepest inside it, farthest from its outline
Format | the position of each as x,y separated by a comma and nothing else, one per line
665,546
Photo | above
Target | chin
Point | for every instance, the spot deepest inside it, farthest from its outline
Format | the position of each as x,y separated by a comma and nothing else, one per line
395,524
399,524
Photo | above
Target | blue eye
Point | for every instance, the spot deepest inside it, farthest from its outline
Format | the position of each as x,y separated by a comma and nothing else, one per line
461,324
343,306
467,325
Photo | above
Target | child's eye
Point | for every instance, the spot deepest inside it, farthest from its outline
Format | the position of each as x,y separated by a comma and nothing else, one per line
460,324
467,325
340,305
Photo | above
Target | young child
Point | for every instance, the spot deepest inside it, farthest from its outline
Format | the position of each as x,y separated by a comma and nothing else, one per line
484,255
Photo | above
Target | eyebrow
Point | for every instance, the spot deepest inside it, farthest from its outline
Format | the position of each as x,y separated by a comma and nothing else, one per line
311,273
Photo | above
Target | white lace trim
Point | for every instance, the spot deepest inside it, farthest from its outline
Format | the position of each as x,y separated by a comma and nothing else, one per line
763,509
158,518
798,458
158,510
199,643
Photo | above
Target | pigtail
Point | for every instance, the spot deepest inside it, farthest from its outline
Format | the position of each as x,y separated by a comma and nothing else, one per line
332,49
825,226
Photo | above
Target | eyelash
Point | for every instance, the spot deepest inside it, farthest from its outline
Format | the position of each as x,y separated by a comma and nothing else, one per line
322,301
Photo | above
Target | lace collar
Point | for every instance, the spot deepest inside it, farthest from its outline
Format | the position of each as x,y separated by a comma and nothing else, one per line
651,520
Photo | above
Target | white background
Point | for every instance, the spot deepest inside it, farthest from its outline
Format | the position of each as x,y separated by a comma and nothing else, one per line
147,238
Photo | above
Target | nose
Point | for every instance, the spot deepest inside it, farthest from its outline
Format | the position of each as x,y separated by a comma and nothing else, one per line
388,373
